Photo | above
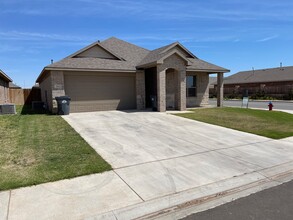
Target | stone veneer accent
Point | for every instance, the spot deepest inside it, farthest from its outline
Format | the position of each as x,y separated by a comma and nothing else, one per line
179,65
140,89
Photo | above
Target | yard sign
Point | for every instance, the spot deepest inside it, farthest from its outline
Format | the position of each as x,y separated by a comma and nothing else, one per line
244,102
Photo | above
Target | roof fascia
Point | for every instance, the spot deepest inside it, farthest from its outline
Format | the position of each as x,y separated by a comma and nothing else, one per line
91,70
3,75
148,65
40,77
81,69
211,71
181,46
161,60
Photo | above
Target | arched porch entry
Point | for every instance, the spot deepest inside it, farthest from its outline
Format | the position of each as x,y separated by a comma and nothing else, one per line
172,90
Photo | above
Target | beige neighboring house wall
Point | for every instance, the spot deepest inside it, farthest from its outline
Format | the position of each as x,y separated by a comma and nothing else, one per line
4,88
113,74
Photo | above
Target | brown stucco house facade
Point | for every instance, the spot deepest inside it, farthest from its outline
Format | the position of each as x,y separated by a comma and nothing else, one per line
114,74
4,87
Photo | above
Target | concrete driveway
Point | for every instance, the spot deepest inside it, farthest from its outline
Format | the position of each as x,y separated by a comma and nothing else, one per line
130,138
158,154
161,162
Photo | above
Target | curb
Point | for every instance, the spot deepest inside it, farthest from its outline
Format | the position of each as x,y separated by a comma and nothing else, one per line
182,204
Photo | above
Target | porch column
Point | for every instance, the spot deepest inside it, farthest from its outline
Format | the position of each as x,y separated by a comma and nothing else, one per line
161,89
140,89
182,90
220,91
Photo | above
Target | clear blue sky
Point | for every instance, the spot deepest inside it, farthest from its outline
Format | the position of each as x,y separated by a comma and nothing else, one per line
235,34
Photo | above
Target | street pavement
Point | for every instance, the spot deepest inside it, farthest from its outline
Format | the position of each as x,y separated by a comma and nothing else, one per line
278,105
271,204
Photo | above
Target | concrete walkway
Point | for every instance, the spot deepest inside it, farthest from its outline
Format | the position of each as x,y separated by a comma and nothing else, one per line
164,166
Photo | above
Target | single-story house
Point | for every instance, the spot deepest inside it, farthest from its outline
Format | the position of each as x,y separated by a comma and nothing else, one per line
4,87
212,82
114,74
272,82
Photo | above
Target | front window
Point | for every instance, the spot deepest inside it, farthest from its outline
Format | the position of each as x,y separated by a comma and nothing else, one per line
191,86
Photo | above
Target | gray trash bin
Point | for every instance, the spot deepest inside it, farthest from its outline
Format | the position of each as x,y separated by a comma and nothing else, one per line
154,102
63,103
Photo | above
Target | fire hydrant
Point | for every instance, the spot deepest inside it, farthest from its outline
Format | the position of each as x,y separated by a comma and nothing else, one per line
270,106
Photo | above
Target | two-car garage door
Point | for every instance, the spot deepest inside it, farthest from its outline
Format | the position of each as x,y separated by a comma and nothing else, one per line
100,91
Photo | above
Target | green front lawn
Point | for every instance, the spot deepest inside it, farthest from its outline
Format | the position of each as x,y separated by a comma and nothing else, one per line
271,124
38,148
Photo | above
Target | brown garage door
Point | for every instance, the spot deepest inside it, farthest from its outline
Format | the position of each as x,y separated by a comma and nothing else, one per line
100,91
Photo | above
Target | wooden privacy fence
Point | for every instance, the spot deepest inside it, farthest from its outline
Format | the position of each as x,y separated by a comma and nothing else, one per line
24,96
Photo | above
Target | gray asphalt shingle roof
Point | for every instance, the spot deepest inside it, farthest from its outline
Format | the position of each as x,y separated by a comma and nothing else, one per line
132,55
154,55
93,63
263,75
198,64
130,52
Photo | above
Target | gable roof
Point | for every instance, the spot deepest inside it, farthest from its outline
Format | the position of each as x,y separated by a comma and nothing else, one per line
191,55
130,52
127,55
95,44
5,77
117,55
262,75
156,56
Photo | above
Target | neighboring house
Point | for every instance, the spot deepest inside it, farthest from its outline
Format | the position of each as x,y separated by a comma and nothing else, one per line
13,86
4,87
114,74
273,82
212,82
